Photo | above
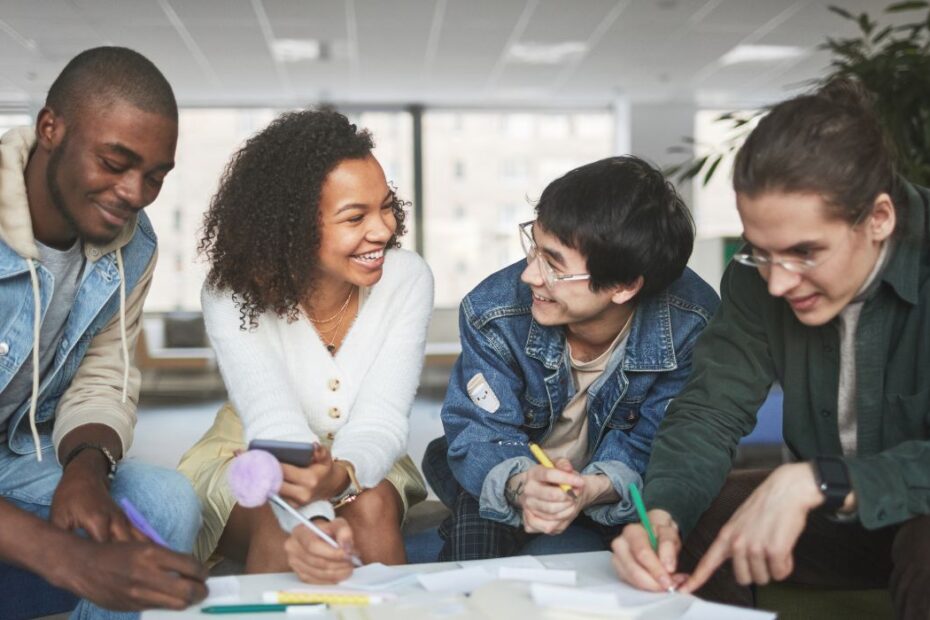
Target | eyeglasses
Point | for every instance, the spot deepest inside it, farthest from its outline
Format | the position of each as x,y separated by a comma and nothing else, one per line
794,265
532,253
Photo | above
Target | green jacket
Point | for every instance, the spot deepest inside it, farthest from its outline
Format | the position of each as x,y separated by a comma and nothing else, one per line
755,340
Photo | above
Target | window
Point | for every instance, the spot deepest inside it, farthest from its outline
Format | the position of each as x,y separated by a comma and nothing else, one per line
9,121
482,173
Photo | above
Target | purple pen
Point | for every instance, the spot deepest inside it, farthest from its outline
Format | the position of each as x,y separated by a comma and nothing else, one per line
133,514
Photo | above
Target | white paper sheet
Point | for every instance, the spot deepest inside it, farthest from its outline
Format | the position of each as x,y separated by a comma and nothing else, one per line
458,581
535,575
377,576
703,610
607,603
222,590
517,561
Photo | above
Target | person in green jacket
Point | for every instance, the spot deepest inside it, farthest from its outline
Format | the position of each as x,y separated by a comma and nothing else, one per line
830,297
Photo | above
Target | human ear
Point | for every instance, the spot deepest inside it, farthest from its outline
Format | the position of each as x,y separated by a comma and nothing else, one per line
50,129
625,292
883,218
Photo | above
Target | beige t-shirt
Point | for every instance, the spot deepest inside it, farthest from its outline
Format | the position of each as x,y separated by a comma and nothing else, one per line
569,438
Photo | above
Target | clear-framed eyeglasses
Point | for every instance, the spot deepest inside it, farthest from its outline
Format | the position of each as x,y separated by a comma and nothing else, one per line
755,258
532,253
759,261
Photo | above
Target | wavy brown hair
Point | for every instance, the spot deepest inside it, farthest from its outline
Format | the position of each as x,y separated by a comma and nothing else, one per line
261,234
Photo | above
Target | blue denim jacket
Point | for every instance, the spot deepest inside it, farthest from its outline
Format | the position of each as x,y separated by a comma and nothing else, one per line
526,366
95,304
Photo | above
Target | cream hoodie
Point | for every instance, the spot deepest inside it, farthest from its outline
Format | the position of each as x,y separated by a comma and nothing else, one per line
105,388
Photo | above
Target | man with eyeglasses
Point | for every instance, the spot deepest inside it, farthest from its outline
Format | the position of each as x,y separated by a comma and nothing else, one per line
831,299
579,349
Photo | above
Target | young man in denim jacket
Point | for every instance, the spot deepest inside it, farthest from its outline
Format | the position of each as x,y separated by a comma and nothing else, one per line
76,261
579,349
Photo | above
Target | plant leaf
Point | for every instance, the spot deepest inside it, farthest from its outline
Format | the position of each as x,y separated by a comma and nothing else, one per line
884,32
690,169
905,6
865,24
712,169
841,12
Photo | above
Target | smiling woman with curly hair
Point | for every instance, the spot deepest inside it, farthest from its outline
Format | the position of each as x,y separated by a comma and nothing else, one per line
319,323
261,234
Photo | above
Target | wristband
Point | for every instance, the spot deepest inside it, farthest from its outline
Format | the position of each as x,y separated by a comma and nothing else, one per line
111,462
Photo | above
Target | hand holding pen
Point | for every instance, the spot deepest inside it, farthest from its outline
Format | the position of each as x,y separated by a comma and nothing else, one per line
314,560
547,496
255,477
645,555
546,462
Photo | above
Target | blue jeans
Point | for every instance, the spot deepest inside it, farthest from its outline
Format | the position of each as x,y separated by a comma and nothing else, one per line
163,496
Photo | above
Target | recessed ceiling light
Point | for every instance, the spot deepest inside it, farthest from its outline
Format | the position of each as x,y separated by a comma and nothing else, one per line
761,53
546,53
296,50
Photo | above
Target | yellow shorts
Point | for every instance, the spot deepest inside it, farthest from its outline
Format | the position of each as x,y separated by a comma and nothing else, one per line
205,466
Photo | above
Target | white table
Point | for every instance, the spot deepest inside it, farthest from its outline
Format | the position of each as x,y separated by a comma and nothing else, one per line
593,569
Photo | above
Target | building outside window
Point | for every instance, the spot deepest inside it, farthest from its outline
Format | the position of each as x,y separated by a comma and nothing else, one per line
505,159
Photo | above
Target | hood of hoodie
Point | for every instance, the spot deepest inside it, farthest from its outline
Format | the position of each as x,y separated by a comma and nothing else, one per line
16,146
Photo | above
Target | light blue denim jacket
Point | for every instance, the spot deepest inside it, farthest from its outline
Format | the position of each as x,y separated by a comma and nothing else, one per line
95,305
526,366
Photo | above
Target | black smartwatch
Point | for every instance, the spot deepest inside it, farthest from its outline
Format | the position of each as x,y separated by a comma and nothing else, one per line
832,478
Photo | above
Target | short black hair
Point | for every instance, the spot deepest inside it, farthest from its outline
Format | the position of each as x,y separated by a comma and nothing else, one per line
104,75
625,217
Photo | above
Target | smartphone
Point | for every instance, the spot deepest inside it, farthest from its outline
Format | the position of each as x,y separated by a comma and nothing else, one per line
291,452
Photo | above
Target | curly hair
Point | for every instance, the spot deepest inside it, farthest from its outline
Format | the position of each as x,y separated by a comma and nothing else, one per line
261,234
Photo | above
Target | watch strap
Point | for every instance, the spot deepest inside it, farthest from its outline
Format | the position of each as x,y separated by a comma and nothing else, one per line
834,488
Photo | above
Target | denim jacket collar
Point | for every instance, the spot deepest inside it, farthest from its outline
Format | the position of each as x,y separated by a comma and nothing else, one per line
649,348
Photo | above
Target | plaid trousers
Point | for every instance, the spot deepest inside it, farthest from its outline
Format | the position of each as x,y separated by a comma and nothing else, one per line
467,535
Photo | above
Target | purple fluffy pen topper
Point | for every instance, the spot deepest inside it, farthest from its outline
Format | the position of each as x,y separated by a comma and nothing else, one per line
255,477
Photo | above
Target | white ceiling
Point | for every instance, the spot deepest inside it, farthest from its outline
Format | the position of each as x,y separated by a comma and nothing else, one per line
435,52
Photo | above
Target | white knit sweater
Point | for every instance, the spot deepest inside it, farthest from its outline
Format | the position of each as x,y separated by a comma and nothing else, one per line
285,385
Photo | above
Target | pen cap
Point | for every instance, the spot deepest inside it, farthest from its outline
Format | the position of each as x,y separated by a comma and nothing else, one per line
253,477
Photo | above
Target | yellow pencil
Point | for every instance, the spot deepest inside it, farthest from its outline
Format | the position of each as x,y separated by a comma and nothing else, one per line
330,598
545,462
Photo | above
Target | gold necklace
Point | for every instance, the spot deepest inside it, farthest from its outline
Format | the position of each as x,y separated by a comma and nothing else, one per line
334,332
338,312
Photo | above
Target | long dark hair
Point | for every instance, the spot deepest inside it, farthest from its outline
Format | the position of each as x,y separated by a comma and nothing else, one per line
830,143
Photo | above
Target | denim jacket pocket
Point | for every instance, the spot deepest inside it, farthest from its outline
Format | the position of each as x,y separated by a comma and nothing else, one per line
624,417
535,413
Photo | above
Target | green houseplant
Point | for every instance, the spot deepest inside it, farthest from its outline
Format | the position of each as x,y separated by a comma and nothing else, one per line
891,61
